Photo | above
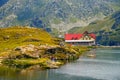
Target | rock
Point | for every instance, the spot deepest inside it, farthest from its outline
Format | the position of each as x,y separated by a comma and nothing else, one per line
32,40
6,37
28,51
17,49
53,64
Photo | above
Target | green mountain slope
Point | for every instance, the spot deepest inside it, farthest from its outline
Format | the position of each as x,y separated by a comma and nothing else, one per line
96,26
55,13
107,30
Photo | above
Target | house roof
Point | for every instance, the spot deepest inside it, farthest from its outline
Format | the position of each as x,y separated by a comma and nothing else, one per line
77,36
93,35
73,36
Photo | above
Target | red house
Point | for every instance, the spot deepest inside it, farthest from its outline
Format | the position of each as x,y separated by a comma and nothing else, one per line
81,39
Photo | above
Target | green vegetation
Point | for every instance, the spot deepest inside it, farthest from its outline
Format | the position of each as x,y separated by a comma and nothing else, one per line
23,47
17,36
97,26
56,21
107,30
74,30
45,56
28,12
54,32
73,20
44,63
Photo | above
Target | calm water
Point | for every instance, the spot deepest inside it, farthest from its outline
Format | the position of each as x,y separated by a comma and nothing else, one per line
106,66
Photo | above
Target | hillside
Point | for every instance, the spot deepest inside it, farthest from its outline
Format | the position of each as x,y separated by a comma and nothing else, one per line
49,14
107,30
19,36
26,47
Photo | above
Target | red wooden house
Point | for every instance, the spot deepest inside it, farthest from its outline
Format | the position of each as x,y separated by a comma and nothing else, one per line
81,39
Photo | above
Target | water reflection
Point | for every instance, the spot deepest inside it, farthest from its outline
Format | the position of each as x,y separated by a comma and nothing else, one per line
91,54
105,66
10,73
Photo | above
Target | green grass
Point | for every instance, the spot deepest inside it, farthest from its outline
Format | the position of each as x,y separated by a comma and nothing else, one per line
98,25
115,7
74,29
17,36
13,37
73,19
56,21
22,62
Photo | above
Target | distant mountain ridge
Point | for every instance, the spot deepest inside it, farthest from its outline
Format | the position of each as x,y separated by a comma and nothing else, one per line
2,2
55,13
107,30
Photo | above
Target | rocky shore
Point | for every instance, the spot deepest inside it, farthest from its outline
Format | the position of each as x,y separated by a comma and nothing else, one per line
46,56
25,47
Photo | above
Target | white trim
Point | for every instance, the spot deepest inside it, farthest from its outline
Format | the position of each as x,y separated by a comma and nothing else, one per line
79,40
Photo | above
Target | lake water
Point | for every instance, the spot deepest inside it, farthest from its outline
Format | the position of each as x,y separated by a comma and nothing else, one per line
105,66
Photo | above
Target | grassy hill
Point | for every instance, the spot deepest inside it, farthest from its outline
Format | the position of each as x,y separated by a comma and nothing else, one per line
25,47
107,30
96,26
17,36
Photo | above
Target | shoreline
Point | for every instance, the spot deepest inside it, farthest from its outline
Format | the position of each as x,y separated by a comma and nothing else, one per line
108,46
50,57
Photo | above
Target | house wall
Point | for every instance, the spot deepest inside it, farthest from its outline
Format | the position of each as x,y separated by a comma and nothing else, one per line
81,39
82,43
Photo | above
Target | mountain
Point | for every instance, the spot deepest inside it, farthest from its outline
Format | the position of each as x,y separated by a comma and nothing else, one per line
107,30
60,14
2,2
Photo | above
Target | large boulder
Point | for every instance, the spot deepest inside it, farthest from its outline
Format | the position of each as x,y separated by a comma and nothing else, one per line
29,50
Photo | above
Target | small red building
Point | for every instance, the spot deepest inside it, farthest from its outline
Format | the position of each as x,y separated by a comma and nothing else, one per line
81,39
